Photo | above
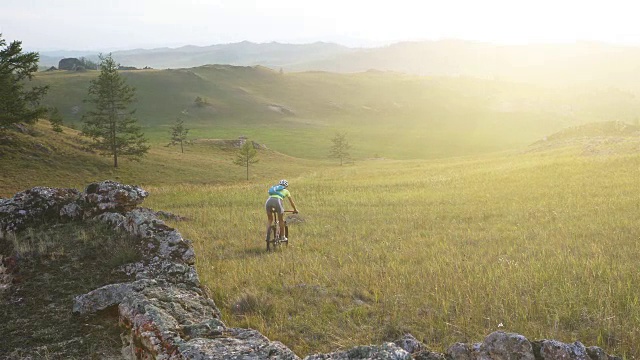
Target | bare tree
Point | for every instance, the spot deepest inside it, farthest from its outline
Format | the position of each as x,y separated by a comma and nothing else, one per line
246,156
179,134
340,148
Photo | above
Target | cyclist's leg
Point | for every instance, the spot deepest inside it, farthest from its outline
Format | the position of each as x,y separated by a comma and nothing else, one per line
269,222
281,224
269,216
281,219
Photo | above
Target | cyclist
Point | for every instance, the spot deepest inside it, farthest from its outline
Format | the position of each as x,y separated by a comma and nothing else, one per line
277,193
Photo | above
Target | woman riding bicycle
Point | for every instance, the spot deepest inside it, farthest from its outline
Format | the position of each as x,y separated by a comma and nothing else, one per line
277,193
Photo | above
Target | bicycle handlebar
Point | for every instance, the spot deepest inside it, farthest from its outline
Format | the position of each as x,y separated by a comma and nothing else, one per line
287,211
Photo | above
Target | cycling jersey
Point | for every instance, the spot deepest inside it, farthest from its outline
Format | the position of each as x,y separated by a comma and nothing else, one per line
280,194
275,189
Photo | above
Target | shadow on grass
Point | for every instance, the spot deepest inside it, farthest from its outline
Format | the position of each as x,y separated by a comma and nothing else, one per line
259,251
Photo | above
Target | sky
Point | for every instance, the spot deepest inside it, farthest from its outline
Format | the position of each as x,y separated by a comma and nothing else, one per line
107,25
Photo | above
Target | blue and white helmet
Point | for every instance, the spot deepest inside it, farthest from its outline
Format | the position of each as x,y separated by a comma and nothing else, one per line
284,183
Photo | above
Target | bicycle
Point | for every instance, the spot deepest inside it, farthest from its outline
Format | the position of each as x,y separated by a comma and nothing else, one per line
273,234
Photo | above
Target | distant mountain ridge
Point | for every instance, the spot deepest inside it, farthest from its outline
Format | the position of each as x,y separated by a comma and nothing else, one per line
243,53
556,65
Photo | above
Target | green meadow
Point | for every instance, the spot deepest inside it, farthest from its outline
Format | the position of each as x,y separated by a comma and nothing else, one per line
384,114
455,218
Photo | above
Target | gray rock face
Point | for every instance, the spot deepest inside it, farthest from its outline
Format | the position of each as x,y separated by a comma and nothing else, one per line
35,205
234,343
69,64
501,345
56,204
110,196
417,349
552,349
165,314
387,351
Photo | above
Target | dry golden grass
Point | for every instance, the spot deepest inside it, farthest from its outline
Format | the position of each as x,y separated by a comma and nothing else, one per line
545,245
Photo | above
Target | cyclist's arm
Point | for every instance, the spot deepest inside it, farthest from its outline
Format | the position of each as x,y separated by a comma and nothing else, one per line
292,204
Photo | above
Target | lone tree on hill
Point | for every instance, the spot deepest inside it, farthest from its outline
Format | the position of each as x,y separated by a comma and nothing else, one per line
16,103
56,120
340,148
179,134
201,102
246,156
111,125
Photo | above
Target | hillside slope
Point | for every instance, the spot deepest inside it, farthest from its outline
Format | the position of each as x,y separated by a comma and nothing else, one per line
384,114
38,156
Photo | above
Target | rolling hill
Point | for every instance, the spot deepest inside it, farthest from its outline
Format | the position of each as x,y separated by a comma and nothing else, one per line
384,114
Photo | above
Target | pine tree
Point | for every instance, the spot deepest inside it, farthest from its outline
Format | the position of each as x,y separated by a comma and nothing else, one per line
246,156
340,148
16,103
111,125
179,134
55,119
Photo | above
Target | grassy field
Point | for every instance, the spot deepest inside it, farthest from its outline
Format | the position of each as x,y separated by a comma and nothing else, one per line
542,241
544,244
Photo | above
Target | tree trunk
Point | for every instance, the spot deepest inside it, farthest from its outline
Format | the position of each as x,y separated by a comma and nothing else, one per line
181,148
114,147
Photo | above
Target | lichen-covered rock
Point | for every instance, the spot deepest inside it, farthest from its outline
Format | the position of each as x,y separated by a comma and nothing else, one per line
210,329
161,318
459,351
410,344
553,349
501,345
36,205
116,220
111,196
5,275
59,204
387,351
417,349
107,296
596,353
172,272
163,241
238,344
428,355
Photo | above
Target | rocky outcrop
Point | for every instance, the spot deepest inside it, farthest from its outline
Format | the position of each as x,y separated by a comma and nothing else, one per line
165,314
43,204
70,64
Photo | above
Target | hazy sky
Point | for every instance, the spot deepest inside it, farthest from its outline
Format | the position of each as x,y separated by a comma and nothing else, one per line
126,24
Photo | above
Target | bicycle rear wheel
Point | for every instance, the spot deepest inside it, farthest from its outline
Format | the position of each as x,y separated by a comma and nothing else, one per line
271,232
272,237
